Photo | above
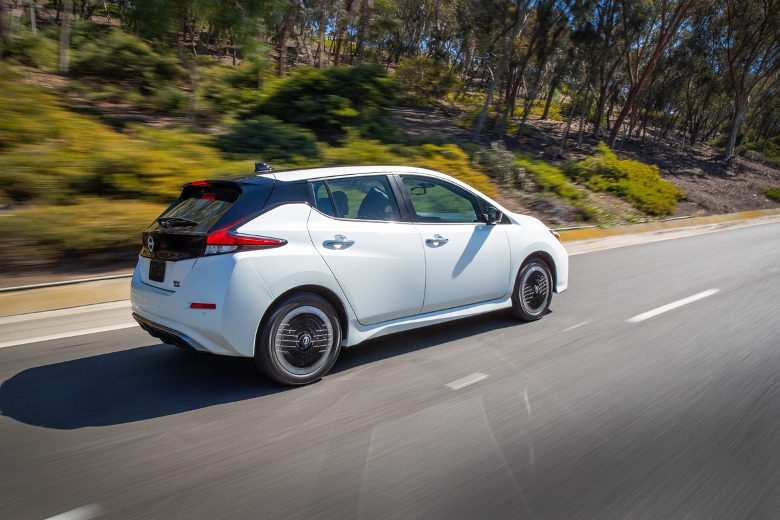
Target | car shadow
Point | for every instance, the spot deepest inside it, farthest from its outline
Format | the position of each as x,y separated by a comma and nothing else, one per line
160,380
128,386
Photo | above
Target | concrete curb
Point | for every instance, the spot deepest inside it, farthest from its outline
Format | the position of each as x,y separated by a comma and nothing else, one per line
594,233
89,291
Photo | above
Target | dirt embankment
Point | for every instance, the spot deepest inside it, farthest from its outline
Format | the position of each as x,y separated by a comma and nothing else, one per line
712,184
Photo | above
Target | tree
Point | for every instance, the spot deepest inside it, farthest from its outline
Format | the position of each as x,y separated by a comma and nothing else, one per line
751,41
663,25
520,17
65,36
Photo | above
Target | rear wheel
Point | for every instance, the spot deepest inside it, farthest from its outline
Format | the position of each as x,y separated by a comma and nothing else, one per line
533,290
300,341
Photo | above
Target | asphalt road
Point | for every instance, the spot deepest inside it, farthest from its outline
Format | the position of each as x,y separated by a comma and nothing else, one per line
615,405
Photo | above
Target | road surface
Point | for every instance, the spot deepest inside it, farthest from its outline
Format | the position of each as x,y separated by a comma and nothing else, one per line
650,391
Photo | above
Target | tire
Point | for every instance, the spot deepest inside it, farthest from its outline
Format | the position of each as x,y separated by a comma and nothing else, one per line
300,341
533,290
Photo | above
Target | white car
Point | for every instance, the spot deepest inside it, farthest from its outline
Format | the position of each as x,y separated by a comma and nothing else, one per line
289,266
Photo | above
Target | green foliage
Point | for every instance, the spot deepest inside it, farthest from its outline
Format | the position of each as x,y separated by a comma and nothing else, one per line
448,158
772,193
769,148
92,228
269,139
638,183
120,57
548,178
328,101
64,167
34,50
424,80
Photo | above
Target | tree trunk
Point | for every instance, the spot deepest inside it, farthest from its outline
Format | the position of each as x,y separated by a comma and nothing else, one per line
569,119
550,95
65,38
736,121
583,119
284,33
33,26
664,36
516,28
601,105
321,37
5,27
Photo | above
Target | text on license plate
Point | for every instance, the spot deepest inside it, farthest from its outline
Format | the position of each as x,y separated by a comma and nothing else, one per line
157,270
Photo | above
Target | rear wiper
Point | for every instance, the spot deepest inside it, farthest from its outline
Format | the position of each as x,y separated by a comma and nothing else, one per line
168,222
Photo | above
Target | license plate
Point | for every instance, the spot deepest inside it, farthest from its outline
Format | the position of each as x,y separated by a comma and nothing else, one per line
157,270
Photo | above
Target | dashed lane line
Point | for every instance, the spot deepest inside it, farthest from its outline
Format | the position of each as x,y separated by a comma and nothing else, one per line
466,381
671,306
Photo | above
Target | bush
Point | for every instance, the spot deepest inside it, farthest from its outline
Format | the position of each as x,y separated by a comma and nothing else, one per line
501,165
424,80
772,193
92,228
328,101
768,148
51,155
35,51
638,183
448,158
120,57
548,178
268,139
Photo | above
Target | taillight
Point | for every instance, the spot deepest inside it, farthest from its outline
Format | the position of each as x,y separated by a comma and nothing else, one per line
226,240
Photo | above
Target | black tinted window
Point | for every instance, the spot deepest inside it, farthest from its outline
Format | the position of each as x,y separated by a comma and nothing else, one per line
364,198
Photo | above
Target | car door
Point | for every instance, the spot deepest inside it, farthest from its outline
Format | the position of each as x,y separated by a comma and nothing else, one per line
376,258
467,261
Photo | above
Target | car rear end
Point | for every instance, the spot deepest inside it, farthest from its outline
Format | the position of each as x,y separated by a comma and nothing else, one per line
191,287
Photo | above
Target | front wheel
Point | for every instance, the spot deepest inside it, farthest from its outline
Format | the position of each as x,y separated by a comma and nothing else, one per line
533,290
300,341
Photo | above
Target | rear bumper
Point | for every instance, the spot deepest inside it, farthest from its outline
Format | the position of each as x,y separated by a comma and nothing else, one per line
229,329
167,334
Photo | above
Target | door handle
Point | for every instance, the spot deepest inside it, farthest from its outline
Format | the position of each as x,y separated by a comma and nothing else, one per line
339,242
437,240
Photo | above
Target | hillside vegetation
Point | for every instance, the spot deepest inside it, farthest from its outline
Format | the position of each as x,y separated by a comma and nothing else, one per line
89,158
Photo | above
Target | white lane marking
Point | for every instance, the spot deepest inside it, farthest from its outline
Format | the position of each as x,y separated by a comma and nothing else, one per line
65,312
71,334
671,306
575,326
527,402
466,381
82,513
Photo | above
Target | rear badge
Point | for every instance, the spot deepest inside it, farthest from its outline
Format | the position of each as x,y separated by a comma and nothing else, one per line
150,244
176,283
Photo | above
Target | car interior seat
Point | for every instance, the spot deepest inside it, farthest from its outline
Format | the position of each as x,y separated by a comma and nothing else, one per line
374,205
342,203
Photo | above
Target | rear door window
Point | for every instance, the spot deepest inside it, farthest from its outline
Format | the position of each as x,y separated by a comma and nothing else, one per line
359,198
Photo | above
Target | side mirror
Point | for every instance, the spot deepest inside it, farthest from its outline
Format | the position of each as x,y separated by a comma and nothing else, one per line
493,216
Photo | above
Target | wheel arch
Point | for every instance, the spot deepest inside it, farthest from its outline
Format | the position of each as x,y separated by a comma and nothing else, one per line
329,295
547,259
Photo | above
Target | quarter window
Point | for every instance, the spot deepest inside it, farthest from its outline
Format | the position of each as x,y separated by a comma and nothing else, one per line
434,200
360,198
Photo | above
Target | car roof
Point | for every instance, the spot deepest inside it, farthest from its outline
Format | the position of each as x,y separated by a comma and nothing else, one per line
335,171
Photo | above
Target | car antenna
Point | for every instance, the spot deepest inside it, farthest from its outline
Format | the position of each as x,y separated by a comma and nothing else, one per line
261,167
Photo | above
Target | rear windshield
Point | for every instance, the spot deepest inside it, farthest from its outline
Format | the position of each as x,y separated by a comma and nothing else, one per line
199,207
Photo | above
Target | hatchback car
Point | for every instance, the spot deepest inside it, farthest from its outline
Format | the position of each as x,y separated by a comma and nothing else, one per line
289,266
